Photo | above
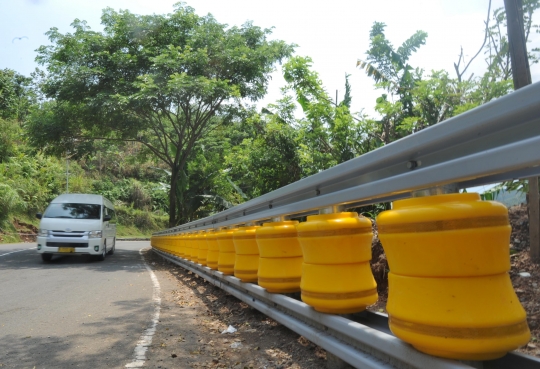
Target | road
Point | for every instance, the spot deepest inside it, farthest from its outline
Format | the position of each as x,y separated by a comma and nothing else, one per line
74,312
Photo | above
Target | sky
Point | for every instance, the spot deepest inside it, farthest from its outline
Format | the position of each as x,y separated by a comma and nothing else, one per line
335,34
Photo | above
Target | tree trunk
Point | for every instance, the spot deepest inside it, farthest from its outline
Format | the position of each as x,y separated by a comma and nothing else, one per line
522,77
172,198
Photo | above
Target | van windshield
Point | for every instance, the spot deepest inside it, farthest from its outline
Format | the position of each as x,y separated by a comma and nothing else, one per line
73,211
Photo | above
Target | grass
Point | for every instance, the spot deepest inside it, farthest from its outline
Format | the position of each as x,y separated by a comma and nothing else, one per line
131,232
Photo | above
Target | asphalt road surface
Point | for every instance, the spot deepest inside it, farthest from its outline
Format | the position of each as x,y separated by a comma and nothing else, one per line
74,312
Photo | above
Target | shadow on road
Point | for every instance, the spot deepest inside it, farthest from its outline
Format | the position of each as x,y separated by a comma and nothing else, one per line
122,259
79,350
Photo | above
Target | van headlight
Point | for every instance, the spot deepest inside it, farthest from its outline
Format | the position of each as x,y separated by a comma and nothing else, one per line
43,232
94,234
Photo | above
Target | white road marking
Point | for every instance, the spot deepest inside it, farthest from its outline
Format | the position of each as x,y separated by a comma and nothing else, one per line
139,354
13,252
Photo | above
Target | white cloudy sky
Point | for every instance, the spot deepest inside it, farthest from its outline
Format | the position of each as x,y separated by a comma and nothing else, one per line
334,33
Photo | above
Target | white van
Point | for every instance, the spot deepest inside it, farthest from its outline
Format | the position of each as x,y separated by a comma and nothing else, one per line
77,224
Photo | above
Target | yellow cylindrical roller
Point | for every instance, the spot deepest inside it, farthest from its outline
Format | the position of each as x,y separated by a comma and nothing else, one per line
180,242
280,257
203,248
189,246
213,249
336,275
450,294
195,247
227,255
246,264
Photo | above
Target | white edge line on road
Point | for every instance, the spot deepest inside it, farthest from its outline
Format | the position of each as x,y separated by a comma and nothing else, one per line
139,354
13,252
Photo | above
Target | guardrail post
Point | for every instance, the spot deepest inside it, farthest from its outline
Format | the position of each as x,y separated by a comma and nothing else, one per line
534,220
334,362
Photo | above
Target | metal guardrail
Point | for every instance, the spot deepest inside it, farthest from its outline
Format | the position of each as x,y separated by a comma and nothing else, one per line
363,340
497,141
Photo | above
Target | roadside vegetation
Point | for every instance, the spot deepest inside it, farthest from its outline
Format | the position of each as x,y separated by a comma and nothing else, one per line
157,114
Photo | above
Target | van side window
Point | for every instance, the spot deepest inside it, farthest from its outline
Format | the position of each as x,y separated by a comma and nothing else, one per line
111,212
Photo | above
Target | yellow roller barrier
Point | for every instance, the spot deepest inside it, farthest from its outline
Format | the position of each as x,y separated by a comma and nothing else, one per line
203,248
280,257
181,245
188,241
195,247
336,275
246,264
213,249
227,254
450,294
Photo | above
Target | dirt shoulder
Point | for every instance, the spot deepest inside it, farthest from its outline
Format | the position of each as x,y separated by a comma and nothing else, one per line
193,315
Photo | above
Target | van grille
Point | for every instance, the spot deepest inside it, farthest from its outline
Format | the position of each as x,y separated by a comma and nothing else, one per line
66,244
68,234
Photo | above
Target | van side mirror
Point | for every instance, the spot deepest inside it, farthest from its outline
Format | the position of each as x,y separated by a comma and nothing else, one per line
107,217
39,215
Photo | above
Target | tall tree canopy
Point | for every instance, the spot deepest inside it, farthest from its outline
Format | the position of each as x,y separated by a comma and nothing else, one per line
162,80
16,95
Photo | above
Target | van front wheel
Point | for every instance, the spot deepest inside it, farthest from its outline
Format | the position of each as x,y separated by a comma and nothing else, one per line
101,257
111,251
46,257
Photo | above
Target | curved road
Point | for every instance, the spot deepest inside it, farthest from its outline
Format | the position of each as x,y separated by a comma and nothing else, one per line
73,312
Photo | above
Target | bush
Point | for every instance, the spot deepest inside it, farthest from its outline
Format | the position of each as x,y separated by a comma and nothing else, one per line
8,132
80,184
144,220
139,197
10,201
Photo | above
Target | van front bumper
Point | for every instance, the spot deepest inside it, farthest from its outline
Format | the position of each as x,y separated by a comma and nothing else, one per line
69,245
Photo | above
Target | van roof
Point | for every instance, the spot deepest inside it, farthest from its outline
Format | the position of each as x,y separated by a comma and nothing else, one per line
80,198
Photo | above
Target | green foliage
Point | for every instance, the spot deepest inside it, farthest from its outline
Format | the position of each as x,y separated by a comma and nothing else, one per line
389,67
10,202
16,95
165,81
37,180
266,162
137,220
412,100
371,211
10,136
329,133
148,196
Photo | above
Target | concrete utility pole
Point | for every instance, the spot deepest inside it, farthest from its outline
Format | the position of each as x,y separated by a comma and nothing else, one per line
67,172
522,77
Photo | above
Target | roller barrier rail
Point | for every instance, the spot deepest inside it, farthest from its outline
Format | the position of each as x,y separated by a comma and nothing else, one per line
494,142
363,340
450,295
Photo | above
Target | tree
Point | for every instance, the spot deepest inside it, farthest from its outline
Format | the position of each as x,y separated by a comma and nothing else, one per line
497,47
495,44
390,67
329,134
391,71
16,95
414,100
163,80
268,158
